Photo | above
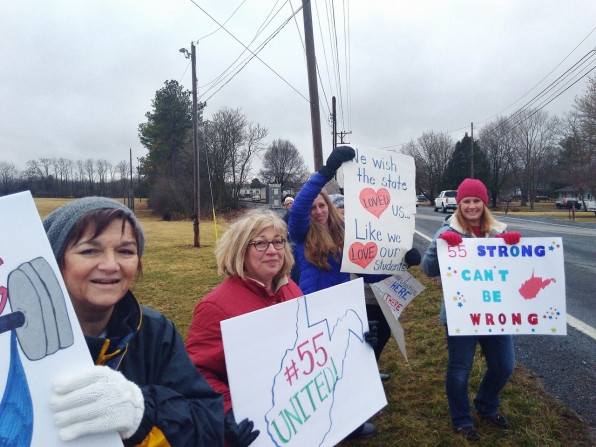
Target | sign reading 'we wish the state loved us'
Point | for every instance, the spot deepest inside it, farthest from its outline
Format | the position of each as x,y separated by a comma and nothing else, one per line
380,208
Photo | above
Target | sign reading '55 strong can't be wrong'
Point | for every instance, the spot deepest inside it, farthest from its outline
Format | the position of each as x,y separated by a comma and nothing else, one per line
492,288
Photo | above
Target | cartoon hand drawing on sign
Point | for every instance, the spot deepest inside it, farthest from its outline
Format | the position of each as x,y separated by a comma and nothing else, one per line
39,321
310,371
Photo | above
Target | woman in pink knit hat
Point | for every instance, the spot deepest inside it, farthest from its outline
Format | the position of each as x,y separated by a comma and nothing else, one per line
472,218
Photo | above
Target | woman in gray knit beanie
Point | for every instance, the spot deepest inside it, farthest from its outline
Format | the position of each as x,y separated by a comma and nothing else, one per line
143,382
59,223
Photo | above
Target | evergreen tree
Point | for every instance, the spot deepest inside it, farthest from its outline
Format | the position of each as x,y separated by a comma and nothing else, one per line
459,166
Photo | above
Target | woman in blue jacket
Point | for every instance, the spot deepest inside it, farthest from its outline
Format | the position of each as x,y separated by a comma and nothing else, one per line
317,232
316,228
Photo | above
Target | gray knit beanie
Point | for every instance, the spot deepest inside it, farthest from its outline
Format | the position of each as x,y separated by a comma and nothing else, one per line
60,221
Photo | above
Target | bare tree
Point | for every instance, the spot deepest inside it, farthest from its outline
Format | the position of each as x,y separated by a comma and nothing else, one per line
244,156
283,165
8,177
81,176
122,169
536,136
431,153
497,140
39,177
64,168
102,167
89,167
576,160
582,133
230,143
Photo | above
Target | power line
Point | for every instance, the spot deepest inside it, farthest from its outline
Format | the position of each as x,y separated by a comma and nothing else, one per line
563,83
254,55
542,80
221,76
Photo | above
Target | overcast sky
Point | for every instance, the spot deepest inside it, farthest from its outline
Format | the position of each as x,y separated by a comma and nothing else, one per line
78,76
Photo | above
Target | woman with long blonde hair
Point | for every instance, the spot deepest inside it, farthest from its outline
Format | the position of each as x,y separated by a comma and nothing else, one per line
472,218
316,228
317,232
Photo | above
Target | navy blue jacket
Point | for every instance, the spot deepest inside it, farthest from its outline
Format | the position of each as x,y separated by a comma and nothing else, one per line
181,408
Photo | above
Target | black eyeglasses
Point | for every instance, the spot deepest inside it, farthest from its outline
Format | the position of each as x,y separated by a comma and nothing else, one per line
278,244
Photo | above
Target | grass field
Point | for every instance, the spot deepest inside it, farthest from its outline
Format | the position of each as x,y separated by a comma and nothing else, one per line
177,275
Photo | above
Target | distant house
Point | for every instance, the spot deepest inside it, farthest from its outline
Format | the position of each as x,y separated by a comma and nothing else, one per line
571,192
250,192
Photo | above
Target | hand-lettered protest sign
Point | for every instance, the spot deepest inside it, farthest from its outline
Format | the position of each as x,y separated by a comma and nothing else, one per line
301,370
490,287
393,295
379,207
40,337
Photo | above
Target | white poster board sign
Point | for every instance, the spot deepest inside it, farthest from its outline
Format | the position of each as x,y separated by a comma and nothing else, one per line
393,295
379,208
40,337
494,288
301,370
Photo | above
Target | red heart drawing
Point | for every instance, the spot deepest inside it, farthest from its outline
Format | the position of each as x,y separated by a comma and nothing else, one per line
375,201
361,254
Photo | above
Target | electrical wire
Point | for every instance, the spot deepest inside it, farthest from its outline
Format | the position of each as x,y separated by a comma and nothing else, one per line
578,71
222,75
254,55
542,80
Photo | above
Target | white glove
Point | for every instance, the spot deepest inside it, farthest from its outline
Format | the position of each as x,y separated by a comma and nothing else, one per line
97,400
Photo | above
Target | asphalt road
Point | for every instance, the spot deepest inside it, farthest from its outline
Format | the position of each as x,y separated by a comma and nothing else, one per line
566,364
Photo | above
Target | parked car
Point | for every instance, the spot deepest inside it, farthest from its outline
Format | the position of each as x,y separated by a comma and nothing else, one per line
256,198
541,198
420,198
446,200
568,203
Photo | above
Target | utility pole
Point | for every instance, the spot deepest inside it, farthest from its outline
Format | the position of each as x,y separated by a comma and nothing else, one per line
311,66
195,147
131,195
472,152
342,135
333,123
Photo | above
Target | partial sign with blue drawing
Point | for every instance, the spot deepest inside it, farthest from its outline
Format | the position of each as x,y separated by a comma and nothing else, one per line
40,337
302,371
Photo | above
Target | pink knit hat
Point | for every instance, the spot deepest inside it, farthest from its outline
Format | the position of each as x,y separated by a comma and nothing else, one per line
472,188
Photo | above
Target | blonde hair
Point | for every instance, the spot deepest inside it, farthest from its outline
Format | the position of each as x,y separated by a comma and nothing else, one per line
233,245
487,221
322,239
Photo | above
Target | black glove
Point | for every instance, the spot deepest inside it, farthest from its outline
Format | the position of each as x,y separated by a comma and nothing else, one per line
239,435
337,157
370,336
412,257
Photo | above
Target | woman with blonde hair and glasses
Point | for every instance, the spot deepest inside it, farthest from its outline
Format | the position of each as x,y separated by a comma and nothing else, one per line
256,258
